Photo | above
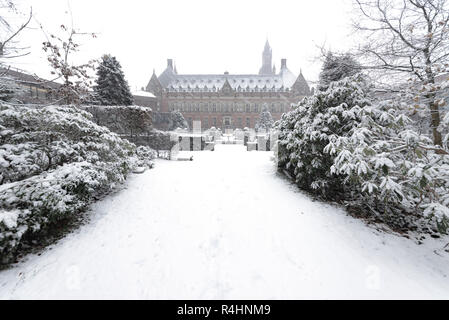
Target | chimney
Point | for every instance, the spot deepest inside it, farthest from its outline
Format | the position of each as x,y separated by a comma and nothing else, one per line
170,63
283,63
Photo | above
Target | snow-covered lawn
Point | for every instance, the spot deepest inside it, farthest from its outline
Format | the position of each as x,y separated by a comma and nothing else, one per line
226,225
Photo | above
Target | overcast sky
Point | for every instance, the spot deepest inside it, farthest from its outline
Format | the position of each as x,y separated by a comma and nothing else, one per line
201,36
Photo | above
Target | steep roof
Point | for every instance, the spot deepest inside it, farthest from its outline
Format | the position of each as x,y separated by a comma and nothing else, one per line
301,85
211,81
167,77
172,81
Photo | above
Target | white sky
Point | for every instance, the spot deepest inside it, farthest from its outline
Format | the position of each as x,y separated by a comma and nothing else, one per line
201,36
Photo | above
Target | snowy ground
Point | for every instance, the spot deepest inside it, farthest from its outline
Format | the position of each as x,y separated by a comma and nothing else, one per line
226,226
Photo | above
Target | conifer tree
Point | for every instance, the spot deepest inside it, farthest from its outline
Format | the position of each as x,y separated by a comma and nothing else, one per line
265,120
337,67
112,89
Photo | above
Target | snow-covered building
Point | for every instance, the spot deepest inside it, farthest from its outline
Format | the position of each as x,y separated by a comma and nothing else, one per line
31,89
228,101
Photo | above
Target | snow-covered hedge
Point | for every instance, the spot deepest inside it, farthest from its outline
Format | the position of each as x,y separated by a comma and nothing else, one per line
129,120
53,162
156,140
345,146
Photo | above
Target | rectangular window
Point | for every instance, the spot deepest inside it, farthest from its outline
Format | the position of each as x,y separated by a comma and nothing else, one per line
248,122
215,122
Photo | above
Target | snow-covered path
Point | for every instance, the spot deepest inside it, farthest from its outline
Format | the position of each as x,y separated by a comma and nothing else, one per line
226,226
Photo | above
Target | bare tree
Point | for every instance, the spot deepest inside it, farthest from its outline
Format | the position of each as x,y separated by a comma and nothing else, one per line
9,32
409,37
75,77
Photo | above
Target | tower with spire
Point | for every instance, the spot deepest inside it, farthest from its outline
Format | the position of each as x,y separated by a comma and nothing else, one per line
267,56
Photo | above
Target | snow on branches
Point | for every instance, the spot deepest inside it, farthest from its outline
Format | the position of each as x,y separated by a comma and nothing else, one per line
112,89
75,77
177,121
344,145
53,162
305,132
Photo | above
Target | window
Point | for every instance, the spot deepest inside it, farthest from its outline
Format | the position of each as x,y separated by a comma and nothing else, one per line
239,122
214,108
248,108
248,122
215,122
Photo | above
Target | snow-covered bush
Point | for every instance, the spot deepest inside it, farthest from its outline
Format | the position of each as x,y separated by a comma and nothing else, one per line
343,145
177,121
395,172
157,140
53,162
305,131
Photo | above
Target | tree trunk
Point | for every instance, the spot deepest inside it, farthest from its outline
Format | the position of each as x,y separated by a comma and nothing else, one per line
435,122
433,105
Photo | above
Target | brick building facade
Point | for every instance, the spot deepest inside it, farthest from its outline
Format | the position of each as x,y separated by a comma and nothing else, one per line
228,101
